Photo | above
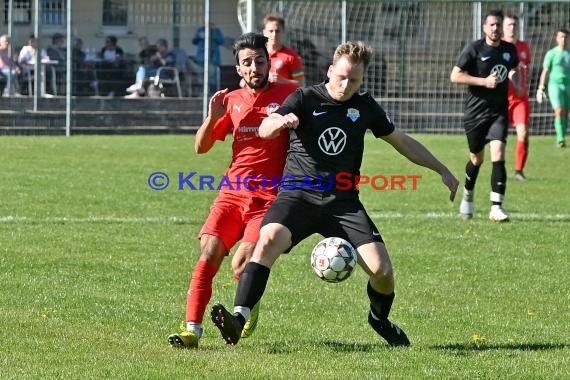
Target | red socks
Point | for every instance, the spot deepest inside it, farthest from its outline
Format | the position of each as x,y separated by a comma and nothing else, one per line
200,291
520,156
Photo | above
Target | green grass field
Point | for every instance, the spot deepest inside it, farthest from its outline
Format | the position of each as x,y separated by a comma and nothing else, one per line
94,268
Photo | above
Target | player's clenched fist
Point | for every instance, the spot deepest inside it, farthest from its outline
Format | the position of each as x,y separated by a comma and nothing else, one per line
289,121
491,81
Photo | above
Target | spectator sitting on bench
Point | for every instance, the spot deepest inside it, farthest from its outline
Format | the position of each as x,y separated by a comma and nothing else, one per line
163,57
8,67
112,68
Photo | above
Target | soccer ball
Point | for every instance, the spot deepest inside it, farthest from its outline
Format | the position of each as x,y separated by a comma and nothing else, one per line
333,259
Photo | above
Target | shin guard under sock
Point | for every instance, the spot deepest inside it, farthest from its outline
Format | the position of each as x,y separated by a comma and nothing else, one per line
380,303
200,291
498,182
251,285
471,173
521,155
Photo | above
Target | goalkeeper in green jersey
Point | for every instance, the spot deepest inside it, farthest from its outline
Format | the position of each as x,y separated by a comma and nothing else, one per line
556,68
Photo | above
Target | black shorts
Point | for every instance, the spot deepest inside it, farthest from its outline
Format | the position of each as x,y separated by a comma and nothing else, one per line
481,130
307,212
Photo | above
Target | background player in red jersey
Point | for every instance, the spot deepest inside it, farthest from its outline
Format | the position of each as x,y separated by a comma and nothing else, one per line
519,105
286,65
239,208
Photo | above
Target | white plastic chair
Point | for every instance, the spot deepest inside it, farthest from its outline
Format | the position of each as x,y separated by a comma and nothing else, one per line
173,78
171,75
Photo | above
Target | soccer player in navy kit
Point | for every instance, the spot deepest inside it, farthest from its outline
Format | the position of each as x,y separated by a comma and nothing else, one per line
327,125
486,65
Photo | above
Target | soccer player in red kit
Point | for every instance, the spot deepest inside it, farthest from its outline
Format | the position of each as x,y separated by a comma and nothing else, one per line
519,105
286,65
250,183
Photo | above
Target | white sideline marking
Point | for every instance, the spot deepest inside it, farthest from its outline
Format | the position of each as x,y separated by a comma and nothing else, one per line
453,215
95,219
182,219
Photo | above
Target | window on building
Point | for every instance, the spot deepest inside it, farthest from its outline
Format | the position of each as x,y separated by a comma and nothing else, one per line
53,12
115,12
21,11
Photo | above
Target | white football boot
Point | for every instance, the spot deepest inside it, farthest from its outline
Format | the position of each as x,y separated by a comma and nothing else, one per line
498,214
467,208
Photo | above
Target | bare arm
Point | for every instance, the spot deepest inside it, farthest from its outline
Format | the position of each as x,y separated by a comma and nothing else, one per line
459,76
514,76
204,140
418,154
273,124
543,78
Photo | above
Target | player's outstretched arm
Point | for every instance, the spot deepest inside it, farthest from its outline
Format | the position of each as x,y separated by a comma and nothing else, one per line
217,108
420,155
273,124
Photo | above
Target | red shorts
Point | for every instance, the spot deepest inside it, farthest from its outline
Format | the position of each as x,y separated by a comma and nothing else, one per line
519,111
235,217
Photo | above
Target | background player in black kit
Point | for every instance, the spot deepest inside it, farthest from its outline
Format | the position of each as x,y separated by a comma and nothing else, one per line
327,124
486,65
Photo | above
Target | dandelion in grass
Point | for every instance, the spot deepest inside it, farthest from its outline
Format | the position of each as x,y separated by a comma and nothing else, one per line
46,313
227,285
531,312
478,339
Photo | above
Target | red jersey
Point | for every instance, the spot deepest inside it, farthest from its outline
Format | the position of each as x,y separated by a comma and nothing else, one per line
257,164
523,51
287,63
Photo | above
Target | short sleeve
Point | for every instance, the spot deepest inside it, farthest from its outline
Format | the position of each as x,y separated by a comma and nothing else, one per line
292,104
222,127
382,125
297,70
547,64
465,59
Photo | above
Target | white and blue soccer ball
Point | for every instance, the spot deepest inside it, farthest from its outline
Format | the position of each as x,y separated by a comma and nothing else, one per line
333,259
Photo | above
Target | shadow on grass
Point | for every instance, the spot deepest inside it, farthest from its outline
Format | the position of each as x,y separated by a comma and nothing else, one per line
353,347
336,346
471,347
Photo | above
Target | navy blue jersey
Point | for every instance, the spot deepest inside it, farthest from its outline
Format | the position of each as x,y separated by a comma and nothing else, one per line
478,59
330,137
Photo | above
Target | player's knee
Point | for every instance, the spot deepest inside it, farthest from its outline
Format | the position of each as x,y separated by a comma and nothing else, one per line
274,234
212,249
274,239
383,272
476,159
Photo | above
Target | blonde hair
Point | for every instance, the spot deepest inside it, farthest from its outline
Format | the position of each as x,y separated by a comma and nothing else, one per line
357,52
274,17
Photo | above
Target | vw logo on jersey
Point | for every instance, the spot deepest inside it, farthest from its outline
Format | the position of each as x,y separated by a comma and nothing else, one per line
332,141
501,71
272,107
353,114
